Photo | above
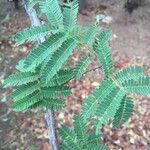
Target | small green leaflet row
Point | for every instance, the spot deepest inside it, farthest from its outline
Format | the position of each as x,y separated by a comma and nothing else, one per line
78,138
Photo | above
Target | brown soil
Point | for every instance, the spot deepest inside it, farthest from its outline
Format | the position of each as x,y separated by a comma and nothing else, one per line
130,45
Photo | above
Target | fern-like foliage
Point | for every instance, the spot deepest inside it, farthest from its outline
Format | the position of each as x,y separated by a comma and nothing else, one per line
55,92
78,138
140,86
133,72
34,33
57,60
90,34
43,81
124,112
34,102
25,90
53,12
53,104
32,95
108,107
109,99
63,76
46,49
20,79
81,66
97,147
99,94
25,103
70,12
102,50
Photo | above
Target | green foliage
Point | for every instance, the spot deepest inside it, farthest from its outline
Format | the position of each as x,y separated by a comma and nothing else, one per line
108,108
32,95
25,103
53,12
97,147
20,79
25,90
46,49
106,100
54,92
33,102
43,81
81,66
58,59
80,127
102,50
98,95
34,33
140,86
133,72
53,104
78,138
90,34
70,12
63,76
124,112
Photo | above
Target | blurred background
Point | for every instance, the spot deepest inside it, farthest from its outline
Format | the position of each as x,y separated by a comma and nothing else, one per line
130,23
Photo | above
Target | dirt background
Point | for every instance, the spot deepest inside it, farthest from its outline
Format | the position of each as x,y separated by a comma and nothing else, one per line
130,45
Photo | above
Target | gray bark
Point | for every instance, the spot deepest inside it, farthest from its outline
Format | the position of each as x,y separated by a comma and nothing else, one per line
49,115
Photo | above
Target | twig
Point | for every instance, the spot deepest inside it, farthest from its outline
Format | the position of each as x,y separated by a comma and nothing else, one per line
99,67
93,69
49,115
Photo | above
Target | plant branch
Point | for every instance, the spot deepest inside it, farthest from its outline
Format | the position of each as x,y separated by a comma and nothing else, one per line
49,115
93,69
99,67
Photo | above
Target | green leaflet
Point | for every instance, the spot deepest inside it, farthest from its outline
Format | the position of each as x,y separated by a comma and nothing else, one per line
76,32
33,102
92,102
93,138
55,92
20,67
20,79
78,138
102,51
53,104
25,103
108,108
70,15
82,64
69,146
133,72
53,12
80,127
47,48
60,78
140,86
90,33
69,138
25,90
67,134
104,36
124,112
57,60
34,33
97,147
